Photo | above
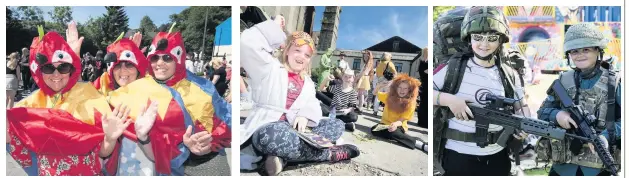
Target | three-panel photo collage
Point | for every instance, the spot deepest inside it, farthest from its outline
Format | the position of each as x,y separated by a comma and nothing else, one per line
316,90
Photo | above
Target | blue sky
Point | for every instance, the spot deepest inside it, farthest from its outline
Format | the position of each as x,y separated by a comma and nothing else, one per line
363,26
159,14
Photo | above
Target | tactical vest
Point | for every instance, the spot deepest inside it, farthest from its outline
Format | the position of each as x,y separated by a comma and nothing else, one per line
453,79
593,100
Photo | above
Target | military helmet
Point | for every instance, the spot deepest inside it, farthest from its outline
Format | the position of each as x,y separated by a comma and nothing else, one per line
481,19
584,35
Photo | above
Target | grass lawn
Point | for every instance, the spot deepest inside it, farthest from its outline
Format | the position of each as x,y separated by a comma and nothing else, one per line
537,171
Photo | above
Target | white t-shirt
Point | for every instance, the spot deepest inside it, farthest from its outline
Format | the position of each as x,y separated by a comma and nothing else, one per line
477,82
133,162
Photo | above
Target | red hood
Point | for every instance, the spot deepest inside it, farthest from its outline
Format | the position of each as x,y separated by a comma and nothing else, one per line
52,48
125,50
170,44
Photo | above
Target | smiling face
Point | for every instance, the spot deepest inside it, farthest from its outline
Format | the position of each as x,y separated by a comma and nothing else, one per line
485,44
54,67
167,58
128,62
403,90
56,81
298,58
584,58
164,69
348,78
125,73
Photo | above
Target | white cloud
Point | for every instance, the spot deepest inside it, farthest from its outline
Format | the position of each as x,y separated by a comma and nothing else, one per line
395,23
392,24
373,35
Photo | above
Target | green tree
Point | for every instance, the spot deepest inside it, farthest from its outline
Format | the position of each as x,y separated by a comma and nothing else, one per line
12,19
30,16
93,34
164,27
114,23
17,36
61,16
191,22
148,30
438,10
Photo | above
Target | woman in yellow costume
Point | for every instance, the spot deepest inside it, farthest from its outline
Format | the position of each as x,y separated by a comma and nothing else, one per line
135,155
399,104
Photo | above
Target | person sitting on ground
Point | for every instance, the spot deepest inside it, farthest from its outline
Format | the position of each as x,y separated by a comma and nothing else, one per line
345,100
324,95
285,101
400,102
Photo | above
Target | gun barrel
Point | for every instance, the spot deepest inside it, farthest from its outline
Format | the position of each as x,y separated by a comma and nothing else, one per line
528,125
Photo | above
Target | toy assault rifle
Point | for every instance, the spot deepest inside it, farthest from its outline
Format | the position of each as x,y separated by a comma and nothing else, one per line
584,120
499,112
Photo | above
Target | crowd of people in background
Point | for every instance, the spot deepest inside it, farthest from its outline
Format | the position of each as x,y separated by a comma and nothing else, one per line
139,112
324,103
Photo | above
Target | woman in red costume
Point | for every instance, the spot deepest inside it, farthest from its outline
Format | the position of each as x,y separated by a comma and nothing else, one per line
65,127
191,117
135,155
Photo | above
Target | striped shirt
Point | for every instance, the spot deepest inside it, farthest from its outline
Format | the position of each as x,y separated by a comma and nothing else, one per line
342,100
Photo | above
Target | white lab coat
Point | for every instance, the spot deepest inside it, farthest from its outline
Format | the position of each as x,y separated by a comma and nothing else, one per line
269,81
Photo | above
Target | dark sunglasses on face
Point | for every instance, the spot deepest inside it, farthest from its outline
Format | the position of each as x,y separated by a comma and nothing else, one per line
165,58
125,64
63,68
490,38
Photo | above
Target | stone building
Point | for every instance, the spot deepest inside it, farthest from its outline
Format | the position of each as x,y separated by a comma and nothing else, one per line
328,35
298,18
404,55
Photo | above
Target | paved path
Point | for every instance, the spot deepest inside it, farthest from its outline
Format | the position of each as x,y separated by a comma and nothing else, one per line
378,157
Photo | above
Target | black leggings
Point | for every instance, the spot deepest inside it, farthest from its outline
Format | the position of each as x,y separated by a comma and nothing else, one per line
398,135
457,164
325,97
349,117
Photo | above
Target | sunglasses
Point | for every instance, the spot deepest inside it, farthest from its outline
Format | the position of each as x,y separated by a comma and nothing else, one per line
575,52
165,58
63,68
489,38
125,64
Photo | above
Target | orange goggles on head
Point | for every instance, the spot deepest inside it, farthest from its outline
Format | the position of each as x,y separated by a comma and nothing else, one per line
302,38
